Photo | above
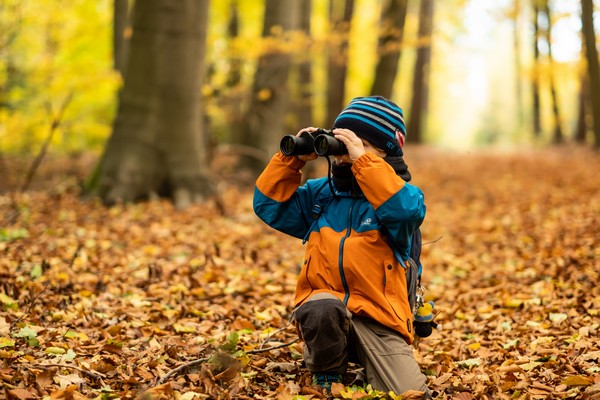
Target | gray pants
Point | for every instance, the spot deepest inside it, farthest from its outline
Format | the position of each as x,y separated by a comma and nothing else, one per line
333,337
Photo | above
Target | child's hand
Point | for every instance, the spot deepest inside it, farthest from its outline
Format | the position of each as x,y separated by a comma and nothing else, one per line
353,143
311,156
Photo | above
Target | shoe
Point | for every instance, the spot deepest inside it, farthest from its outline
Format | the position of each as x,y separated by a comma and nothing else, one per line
325,379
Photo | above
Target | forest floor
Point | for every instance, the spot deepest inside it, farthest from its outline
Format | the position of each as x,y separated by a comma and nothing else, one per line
145,301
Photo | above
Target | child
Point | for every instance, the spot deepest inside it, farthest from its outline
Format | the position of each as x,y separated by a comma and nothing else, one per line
351,296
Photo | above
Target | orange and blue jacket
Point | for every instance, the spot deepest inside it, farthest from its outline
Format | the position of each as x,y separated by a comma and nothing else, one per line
358,244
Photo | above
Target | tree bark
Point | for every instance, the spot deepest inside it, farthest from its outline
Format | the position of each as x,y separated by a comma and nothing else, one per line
557,136
120,36
393,17
264,120
535,80
340,15
593,67
518,63
156,144
420,88
581,127
305,90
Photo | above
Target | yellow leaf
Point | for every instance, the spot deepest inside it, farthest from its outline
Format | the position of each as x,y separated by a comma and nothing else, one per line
179,328
55,350
576,380
474,346
8,302
513,303
530,365
6,342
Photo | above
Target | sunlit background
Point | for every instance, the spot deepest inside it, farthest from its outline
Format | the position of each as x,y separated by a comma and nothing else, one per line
480,77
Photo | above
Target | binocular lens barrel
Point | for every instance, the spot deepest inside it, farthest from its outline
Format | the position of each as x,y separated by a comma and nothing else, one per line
291,145
327,145
288,145
321,142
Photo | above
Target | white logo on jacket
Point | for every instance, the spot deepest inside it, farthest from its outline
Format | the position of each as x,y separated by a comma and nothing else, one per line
367,221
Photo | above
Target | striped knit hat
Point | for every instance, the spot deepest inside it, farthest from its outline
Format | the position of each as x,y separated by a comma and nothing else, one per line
377,120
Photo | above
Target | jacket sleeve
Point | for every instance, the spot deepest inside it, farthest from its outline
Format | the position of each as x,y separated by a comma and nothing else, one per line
399,206
278,198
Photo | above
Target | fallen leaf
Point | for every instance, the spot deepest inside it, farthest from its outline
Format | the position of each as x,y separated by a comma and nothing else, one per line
6,342
576,380
21,394
55,350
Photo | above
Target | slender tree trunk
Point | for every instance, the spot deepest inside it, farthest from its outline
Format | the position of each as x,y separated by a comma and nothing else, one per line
156,144
593,67
234,75
264,122
420,88
120,35
558,136
393,16
583,99
232,99
304,97
537,120
304,92
338,56
518,64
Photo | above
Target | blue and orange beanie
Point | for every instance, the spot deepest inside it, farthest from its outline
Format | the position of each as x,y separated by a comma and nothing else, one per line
376,119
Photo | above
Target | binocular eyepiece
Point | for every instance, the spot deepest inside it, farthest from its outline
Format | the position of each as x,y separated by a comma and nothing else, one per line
320,141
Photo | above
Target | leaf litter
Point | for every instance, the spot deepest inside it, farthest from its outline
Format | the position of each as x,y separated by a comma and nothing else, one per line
146,301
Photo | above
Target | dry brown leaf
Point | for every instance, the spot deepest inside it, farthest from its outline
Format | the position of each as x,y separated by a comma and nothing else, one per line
413,395
67,393
20,394
463,396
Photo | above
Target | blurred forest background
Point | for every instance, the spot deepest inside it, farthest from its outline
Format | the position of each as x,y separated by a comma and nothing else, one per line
197,79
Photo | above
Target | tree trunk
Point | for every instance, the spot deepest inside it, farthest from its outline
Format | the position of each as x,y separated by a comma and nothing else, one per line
265,118
156,144
557,136
535,89
593,69
120,35
518,64
393,16
420,88
231,100
305,90
337,65
234,75
583,99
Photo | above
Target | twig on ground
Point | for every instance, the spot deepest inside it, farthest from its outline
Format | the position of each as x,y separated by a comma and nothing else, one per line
183,366
192,363
274,333
91,374
273,347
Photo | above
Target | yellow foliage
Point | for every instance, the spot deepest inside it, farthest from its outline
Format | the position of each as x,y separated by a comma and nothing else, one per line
56,52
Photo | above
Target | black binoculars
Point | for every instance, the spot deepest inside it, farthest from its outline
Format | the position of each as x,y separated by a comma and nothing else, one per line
320,141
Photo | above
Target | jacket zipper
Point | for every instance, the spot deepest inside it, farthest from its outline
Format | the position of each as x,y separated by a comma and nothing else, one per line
341,257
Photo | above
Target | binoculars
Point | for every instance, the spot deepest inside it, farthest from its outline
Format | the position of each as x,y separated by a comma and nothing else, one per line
320,141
